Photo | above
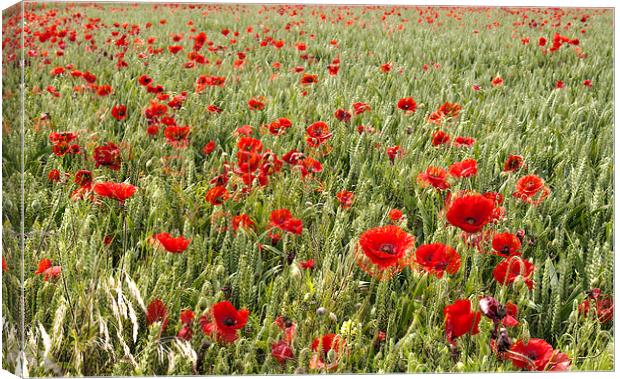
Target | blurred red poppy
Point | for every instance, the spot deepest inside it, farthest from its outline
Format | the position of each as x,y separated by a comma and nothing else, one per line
407,104
437,258
217,195
174,245
460,320
108,155
116,191
345,198
119,112
434,176
322,346
511,268
156,311
464,169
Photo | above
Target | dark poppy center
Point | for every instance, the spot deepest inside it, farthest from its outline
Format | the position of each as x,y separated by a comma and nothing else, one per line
505,250
388,248
470,220
441,266
229,321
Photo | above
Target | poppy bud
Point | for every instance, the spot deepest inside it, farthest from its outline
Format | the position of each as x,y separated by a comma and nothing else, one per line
520,235
333,317
321,311
290,257
503,341
492,308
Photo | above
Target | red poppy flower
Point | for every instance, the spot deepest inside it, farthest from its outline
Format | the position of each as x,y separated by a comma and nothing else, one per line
108,155
506,244
119,112
308,79
395,214
333,69
284,220
44,264
322,346
309,166
156,311
605,308
587,83
217,195
342,115
53,176
451,110
407,104
279,126
440,138
437,258
177,136
510,319
116,191
386,67
56,71
256,105
281,352
508,270
89,77
434,176
83,178
528,187
250,144
345,198
287,326
186,316
464,169
497,81
185,333
318,133
171,244
145,80
224,321
470,212
537,355
359,108
307,265
214,109
513,163
242,221
293,157
460,320
208,148
384,251
393,152
175,48
5,268
559,84
104,90
542,41
464,141
436,118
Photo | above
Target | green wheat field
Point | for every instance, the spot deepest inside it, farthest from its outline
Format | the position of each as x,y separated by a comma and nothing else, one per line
286,189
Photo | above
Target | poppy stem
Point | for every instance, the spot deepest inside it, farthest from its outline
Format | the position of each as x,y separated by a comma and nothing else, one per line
124,216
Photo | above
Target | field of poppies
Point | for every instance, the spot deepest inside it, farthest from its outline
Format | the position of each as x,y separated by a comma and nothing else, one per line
249,189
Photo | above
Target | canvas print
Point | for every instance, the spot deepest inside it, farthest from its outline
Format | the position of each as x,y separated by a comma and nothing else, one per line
235,189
